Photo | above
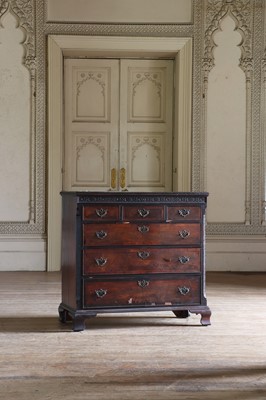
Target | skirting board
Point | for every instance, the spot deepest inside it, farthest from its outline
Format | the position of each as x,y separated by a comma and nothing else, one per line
22,254
247,254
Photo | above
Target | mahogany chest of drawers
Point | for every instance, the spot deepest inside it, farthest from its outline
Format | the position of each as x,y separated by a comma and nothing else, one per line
124,252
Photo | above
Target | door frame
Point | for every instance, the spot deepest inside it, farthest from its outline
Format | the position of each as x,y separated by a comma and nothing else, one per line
60,46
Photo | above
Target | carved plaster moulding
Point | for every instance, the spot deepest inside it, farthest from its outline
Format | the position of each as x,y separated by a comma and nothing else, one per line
181,30
241,11
3,7
263,135
116,30
24,10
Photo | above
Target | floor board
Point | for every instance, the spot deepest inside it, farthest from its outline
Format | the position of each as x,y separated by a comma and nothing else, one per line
141,356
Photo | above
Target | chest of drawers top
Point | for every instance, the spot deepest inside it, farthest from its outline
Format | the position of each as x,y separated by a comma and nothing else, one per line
164,207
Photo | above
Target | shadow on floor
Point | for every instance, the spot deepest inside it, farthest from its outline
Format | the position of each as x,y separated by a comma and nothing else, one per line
52,324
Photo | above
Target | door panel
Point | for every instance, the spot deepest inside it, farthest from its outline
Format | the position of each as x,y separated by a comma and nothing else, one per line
118,139
91,124
146,124
91,151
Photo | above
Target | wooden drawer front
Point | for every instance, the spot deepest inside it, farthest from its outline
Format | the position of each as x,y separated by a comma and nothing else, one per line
141,234
142,292
184,213
143,213
101,213
140,261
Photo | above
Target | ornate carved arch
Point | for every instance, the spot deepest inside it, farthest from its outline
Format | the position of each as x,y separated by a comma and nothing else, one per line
241,12
24,11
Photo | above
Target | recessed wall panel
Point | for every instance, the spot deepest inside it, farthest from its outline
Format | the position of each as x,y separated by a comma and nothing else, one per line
226,130
15,124
120,11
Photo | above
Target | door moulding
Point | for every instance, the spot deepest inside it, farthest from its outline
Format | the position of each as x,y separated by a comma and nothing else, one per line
60,46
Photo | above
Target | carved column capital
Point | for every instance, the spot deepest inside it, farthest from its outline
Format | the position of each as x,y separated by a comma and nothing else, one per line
246,64
30,63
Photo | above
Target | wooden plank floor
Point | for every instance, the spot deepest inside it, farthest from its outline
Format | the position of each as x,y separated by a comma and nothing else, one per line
151,356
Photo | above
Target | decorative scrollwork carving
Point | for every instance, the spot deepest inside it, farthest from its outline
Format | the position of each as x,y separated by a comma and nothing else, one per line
241,12
24,10
3,7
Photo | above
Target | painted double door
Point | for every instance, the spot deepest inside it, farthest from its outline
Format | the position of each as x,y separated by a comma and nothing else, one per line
118,125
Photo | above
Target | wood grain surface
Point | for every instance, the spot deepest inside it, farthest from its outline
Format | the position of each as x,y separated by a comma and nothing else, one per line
146,356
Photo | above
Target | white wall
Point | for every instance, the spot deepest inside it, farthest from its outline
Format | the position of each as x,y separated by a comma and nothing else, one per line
18,251
228,119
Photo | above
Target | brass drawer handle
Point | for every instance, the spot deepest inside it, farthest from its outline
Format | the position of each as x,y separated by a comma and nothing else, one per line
184,234
183,259
113,178
101,261
101,212
143,283
143,213
184,290
143,254
101,292
143,229
184,212
101,234
122,178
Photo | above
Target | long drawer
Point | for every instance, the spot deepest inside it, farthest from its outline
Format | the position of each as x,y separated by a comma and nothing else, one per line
140,234
102,261
142,292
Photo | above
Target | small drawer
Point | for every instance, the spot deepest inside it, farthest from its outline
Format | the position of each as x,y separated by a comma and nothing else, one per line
142,291
141,234
148,260
143,213
101,213
184,213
